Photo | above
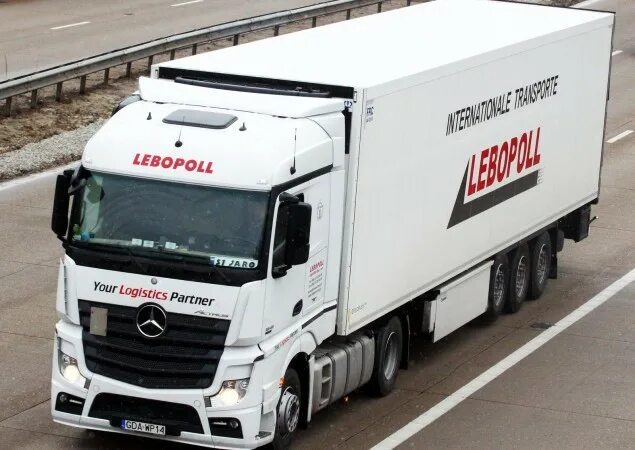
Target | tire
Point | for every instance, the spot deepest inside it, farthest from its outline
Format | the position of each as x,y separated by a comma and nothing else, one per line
540,265
498,283
388,346
288,411
519,276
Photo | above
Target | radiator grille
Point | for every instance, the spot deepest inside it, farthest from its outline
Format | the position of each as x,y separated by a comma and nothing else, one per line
185,356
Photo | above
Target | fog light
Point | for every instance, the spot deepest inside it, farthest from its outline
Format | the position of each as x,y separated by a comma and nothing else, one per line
233,424
231,393
70,370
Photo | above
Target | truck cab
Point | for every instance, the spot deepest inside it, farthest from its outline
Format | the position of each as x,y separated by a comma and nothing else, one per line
197,260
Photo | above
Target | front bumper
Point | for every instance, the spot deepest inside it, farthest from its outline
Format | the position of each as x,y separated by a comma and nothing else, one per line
257,428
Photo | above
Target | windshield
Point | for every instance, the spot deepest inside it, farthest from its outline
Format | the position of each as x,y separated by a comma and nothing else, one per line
220,227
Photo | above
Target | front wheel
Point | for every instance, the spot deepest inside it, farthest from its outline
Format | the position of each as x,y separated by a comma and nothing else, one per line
288,416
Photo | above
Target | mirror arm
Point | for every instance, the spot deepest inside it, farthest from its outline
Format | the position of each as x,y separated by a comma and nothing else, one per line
279,271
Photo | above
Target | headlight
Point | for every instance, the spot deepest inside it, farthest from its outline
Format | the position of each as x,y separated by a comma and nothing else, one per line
231,392
70,370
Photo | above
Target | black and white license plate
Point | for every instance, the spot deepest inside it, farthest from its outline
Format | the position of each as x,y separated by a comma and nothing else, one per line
142,427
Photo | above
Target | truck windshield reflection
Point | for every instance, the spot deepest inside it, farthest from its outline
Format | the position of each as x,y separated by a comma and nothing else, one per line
221,227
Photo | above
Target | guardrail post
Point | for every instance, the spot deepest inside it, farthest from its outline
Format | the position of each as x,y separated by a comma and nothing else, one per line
236,39
150,59
82,85
379,7
58,92
172,54
128,70
276,30
348,14
33,98
7,106
314,22
194,49
106,75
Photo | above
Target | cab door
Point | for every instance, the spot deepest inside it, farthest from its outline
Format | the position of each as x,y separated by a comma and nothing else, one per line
298,290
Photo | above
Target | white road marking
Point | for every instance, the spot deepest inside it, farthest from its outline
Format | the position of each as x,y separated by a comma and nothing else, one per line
492,373
70,25
619,136
616,52
187,3
586,3
36,176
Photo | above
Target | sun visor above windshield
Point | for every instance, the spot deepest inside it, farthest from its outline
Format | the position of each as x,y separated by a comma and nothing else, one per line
162,91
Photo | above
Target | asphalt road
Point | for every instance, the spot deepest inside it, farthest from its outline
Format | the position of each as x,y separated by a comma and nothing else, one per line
576,391
37,34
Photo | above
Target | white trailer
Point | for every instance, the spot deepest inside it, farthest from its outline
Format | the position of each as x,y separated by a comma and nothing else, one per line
257,231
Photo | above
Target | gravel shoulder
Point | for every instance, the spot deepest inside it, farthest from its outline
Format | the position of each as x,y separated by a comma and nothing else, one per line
53,151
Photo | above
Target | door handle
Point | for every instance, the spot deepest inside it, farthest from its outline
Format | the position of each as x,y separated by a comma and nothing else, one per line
297,309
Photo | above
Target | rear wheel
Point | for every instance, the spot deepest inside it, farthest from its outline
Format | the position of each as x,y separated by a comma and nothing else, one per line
498,282
388,345
540,265
518,278
288,410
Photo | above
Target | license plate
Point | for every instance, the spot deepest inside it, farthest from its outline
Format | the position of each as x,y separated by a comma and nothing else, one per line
142,427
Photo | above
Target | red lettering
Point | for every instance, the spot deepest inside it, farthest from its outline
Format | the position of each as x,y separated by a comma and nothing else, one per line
482,168
145,160
491,171
513,146
156,160
502,165
208,169
200,166
529,162
167,162
190,165
536,154
136,161
522,153
472,185
178,163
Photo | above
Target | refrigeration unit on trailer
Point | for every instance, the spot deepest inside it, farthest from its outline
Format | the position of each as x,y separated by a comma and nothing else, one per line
258,231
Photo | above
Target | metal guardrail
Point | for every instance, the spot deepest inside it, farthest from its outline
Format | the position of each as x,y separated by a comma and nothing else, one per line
104,62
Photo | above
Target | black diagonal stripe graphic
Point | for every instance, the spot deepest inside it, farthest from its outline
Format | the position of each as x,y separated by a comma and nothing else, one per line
463,211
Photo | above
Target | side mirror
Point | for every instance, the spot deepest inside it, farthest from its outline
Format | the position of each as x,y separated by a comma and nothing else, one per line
59,219
293,231
298,233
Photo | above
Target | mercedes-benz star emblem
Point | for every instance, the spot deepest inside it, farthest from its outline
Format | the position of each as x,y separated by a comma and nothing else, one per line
151,320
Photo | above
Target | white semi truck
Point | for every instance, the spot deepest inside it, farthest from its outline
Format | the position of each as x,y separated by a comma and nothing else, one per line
257,231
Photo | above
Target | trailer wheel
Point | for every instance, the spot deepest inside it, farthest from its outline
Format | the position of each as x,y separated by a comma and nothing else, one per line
388,345
519,277
288,416
498,282
540,265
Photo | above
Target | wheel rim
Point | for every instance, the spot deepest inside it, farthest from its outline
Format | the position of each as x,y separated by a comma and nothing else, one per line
541,266
390,352
288,412
499,286
521,276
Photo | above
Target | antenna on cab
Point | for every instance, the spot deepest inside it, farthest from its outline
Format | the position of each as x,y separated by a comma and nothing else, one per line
295,144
